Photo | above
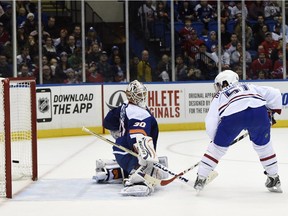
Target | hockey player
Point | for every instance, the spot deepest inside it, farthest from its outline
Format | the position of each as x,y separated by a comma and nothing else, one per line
134,127
240,106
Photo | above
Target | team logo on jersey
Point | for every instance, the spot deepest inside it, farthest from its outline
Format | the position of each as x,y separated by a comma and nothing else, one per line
43,104
116,99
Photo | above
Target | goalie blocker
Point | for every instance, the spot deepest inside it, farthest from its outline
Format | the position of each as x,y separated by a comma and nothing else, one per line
108,171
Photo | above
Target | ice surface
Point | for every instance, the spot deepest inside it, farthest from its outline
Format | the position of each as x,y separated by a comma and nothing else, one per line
65,186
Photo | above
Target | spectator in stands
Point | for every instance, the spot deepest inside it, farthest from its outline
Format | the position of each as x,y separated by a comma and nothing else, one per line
21,37
164,65
212,40
92,38
276,34
147,15
181,69
77,36
21,16
191,48
225,13
61,67
238,69
120,77
44,34
162,12
71,45
119,68
144,69
49,49
48,77
4,35
231,47
75,60
272,10
30,23
72,76
269,44
32,46
114,52
93,53
45,60
133,67
255,8
186,32
205,12
105,69
5,68
265,29
186,11
274,54
238,53
6,18
261,64
280,22
206,62
277,72
195,74
24,57
92,73
52,28
261,75
204,35
248,33
8,52
53,64
61,42
237,9
258,32
225,35
223,60
24,71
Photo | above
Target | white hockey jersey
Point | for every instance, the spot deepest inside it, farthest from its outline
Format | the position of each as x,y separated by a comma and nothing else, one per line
238,97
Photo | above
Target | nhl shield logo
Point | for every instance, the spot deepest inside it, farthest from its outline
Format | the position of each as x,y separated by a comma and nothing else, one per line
43,104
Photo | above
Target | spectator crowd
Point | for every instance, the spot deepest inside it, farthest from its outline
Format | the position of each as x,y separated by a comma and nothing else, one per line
196,57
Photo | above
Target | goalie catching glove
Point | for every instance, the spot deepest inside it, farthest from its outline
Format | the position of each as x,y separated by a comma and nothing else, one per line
145,148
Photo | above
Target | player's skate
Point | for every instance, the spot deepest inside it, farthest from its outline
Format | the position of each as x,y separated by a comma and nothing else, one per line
273,183
108,171
136,185
199,183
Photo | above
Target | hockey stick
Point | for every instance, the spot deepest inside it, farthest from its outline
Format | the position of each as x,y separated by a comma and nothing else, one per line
149,178
239,138
212,175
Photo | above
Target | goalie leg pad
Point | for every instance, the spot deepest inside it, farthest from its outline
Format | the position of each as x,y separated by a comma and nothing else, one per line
108,171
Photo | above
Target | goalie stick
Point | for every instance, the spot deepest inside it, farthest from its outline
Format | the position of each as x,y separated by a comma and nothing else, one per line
149,178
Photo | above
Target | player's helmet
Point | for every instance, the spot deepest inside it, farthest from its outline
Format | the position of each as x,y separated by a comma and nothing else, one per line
225,78
136,93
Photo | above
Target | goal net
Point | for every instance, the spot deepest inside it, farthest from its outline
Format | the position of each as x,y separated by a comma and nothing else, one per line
18,135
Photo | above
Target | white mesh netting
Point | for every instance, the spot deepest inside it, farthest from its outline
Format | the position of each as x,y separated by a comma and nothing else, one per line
21,133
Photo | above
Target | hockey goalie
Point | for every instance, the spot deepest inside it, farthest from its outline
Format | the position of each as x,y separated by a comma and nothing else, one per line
134,127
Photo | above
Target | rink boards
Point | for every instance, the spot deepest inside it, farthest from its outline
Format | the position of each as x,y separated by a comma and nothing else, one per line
62,110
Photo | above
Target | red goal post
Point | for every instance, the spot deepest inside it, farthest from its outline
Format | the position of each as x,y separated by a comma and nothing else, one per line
18,132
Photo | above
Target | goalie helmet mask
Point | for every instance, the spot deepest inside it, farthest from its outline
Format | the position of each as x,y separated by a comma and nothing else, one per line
136,93
225,78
